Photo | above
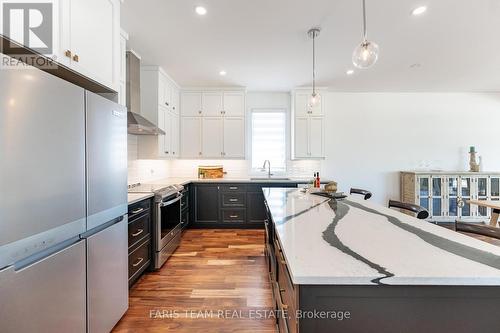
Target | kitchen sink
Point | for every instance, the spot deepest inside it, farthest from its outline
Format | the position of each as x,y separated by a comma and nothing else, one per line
271,178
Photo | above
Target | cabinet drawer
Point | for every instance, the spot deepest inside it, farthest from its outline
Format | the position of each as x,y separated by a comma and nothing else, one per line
138,208
233,188
139,259
233,215
233,199
138,229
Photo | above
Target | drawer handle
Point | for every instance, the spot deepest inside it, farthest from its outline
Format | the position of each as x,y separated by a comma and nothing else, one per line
233,187
233,200
139,231
233,216
138,262
137,211
284,306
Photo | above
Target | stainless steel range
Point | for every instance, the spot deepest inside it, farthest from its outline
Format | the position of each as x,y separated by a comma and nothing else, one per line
167,221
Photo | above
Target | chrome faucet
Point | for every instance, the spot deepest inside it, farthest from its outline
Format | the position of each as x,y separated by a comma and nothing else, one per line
269,174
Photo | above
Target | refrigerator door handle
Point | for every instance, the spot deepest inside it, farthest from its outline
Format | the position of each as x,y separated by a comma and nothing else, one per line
41,256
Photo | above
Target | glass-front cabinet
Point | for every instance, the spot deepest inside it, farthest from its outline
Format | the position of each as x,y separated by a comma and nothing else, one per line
481,194
446,195
452,197
465,191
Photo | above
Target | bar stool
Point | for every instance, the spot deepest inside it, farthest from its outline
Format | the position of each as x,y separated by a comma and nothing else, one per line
421,212
477,228
366,193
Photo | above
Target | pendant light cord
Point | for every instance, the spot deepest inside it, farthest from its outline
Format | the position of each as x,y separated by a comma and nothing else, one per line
364,20
314,63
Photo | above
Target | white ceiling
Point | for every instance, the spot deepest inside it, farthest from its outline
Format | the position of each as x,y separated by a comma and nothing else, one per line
263,44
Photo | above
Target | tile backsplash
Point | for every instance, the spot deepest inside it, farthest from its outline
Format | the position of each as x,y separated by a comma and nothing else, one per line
150,170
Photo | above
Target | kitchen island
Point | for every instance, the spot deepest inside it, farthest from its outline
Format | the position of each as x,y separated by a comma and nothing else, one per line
353,266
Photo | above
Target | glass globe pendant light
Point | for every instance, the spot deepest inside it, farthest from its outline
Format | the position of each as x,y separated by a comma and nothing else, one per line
315,98
366,54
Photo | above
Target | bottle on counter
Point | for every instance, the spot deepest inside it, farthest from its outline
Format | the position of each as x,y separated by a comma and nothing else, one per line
318,182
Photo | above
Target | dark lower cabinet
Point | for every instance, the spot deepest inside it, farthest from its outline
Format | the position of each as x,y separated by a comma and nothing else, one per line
230,205
139,239
256,209
206,203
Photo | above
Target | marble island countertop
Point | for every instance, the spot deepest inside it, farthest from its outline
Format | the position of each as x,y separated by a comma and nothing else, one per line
356,242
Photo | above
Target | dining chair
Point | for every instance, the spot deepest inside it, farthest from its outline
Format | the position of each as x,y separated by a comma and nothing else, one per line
477,228
421,212
366,193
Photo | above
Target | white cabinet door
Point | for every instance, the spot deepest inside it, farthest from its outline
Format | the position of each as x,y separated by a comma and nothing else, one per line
191,104
95,39
212,104
302,107
162,123
212,136
167,92
234,137
316,137
175,100
301,137
161,89
167,138
301,104
234,104
191,137
174,127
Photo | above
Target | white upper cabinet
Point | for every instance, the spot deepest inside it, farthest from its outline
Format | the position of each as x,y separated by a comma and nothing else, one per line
90,39
191,104
165,88
175,99
212,104
222,130
175,135
302,107
122,92
307,126
191,137
212,137
157,93
316,137
234,138
167,138
301,137
234,104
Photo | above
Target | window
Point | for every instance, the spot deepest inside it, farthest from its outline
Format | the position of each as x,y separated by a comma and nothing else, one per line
268,139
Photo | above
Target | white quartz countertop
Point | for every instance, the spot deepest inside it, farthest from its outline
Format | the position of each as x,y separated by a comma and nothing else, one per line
136,197
352,241
187,180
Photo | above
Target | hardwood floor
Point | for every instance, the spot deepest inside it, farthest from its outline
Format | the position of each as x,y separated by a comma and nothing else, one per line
218,276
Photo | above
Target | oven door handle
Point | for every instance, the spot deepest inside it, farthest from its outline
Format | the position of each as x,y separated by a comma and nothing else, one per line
168,203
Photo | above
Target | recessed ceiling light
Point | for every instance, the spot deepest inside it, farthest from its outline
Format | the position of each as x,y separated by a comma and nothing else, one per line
415,65
200,10
222,73
349,72
419,11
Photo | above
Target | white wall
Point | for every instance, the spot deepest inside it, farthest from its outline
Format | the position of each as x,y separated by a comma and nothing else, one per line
372,136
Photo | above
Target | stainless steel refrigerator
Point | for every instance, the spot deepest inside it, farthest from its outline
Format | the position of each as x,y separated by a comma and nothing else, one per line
63,187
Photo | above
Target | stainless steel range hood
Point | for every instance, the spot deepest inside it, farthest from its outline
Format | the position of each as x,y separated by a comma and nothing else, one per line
137,124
